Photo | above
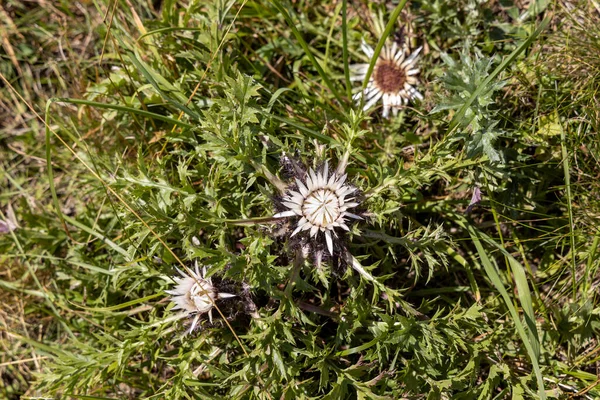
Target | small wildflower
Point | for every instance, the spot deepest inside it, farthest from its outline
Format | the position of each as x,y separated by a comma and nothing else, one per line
393,79
195,295
321,200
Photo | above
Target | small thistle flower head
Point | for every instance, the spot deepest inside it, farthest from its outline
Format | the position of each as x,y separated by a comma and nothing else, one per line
320,201
393,79
195,295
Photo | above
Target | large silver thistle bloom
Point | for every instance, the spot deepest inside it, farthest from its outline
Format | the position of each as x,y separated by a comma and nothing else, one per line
321,201
195,295
393,79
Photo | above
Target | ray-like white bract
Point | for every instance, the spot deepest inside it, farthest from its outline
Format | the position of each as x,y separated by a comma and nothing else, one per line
195,295
321,200
393,79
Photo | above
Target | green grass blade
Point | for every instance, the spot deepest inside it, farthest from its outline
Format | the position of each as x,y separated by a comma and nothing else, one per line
100,236
300,127
387,32
121,306
523,292
163,87
167,30
526,302
569,205
497,282
51,350
358,349
521,282
87,266
304,45
470,276
50,171
345,48
115,107
590,270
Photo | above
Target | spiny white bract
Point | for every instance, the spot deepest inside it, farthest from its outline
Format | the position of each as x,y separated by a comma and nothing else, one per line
321,200
393,79
195,294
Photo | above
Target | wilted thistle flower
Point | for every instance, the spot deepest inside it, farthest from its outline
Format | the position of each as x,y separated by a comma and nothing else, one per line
393,79
195,295
320,201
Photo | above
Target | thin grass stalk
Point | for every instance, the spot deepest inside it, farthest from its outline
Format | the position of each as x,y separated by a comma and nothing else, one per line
309,54
494,277
567,175
345,49
386,32
590,260
119,108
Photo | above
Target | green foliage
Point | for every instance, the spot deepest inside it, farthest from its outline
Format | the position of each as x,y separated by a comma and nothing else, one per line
164,150
479,123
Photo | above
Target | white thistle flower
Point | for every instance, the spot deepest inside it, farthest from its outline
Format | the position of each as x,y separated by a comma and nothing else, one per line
393,79
195,294
321,200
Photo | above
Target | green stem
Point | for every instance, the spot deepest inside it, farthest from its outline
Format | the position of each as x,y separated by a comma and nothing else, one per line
298,263
275,181
387,31
253,221
345,49
591,258
567,174
96,104
309,54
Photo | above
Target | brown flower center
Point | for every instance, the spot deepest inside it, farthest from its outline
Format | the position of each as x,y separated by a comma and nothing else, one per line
389,77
